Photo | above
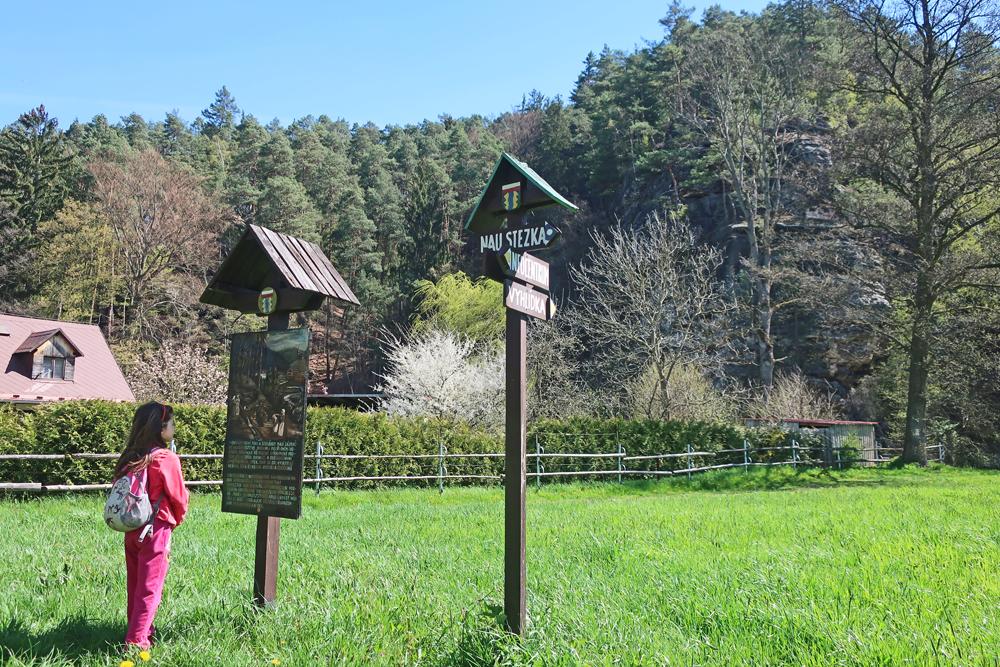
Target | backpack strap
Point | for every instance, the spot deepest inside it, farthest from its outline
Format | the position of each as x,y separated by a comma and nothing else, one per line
148,528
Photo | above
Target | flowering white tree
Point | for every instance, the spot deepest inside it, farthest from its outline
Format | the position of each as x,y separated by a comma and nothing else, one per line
178,372
437,373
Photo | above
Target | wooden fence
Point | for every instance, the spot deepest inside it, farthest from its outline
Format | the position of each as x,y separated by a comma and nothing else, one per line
800,456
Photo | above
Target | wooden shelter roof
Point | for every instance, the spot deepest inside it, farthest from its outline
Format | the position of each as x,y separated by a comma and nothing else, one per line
266,258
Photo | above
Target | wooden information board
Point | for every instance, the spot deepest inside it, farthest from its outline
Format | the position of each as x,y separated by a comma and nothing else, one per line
265,422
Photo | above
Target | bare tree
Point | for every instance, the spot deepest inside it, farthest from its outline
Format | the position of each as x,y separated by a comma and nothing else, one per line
650,299
929,136
745,100
162,219
793,397
179,372
555,387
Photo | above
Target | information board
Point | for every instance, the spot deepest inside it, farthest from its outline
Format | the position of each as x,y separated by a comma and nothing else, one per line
265,423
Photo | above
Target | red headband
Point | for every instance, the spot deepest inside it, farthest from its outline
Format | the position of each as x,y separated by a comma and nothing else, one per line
163,416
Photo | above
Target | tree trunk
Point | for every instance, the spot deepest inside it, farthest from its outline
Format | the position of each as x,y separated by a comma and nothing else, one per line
915,435
765,345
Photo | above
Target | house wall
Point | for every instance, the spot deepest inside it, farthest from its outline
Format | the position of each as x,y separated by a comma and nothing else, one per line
58,347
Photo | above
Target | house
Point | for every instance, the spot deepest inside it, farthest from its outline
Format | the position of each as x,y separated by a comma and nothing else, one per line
48,360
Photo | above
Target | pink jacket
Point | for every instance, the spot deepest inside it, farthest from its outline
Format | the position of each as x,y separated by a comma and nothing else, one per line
167,481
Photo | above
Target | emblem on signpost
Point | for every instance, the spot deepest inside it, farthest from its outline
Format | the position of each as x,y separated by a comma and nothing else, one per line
267,302
510,196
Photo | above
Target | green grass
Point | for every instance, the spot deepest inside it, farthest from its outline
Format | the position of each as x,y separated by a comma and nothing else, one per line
857,568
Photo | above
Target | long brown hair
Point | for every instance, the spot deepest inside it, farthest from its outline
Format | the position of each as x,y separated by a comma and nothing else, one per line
146,435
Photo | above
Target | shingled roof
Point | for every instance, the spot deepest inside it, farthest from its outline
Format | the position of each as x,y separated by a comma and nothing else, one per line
302,275
38,338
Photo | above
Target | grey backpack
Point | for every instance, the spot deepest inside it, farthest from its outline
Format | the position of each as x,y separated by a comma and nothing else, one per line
128,507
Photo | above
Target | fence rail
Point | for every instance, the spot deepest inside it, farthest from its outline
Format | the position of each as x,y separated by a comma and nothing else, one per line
442,457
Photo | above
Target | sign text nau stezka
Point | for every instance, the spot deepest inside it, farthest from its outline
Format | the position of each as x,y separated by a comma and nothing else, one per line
519,239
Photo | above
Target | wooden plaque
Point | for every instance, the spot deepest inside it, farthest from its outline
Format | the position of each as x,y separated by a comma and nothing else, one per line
265,423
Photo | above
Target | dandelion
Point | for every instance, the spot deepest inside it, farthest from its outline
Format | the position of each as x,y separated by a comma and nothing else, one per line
126,663
275,662
145,656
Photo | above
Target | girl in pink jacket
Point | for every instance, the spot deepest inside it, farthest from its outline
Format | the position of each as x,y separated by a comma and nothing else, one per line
147,552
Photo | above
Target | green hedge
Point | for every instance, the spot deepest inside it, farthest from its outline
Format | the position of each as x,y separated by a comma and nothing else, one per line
98,426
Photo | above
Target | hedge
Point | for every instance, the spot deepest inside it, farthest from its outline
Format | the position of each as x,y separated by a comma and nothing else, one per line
99,427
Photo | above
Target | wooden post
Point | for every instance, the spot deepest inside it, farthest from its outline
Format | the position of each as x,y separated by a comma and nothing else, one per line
515,474
621,455
746,455
265,565
319,465
441,466
538,463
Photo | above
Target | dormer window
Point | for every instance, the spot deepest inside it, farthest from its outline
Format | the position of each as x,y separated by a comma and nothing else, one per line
50,355
55,368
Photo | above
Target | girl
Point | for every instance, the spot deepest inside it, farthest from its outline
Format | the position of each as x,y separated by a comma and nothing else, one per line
147,552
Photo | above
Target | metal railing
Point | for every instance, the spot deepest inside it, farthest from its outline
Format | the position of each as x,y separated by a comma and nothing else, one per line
620,460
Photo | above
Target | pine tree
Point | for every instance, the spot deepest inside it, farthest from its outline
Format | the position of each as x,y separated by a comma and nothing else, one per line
33,165
34,170
220,116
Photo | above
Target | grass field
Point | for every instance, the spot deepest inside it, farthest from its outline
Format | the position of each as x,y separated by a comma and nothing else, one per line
866,567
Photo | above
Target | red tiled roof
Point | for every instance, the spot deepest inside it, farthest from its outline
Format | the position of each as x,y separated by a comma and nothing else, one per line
96,372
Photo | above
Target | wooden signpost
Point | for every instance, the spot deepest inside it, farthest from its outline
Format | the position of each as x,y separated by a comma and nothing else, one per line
513,190
272,275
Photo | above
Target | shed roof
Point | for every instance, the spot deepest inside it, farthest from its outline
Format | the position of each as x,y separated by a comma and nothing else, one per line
482,218
266,258
813,422
97,374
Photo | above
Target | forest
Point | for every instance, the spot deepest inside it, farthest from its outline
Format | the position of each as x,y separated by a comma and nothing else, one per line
790,213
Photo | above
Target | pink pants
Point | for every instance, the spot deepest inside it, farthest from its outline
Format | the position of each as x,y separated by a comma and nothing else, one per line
146,565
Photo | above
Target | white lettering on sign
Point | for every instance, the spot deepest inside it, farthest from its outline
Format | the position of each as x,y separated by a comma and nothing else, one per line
524,238
527,269
528,301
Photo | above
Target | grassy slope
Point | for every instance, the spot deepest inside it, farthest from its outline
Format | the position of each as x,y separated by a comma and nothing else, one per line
863,567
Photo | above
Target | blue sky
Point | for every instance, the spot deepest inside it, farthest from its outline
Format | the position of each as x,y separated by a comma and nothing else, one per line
388,62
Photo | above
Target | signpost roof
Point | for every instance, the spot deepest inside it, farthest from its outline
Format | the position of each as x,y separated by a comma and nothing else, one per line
264,258
487,213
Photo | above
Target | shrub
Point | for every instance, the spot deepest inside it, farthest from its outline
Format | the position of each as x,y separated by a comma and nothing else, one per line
102,427
436,373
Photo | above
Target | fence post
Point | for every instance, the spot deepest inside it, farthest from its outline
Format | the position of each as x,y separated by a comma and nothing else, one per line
795,456
941,451
746,455
319,467
441,466
621,454
839,467
538,463
877,457
689,460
